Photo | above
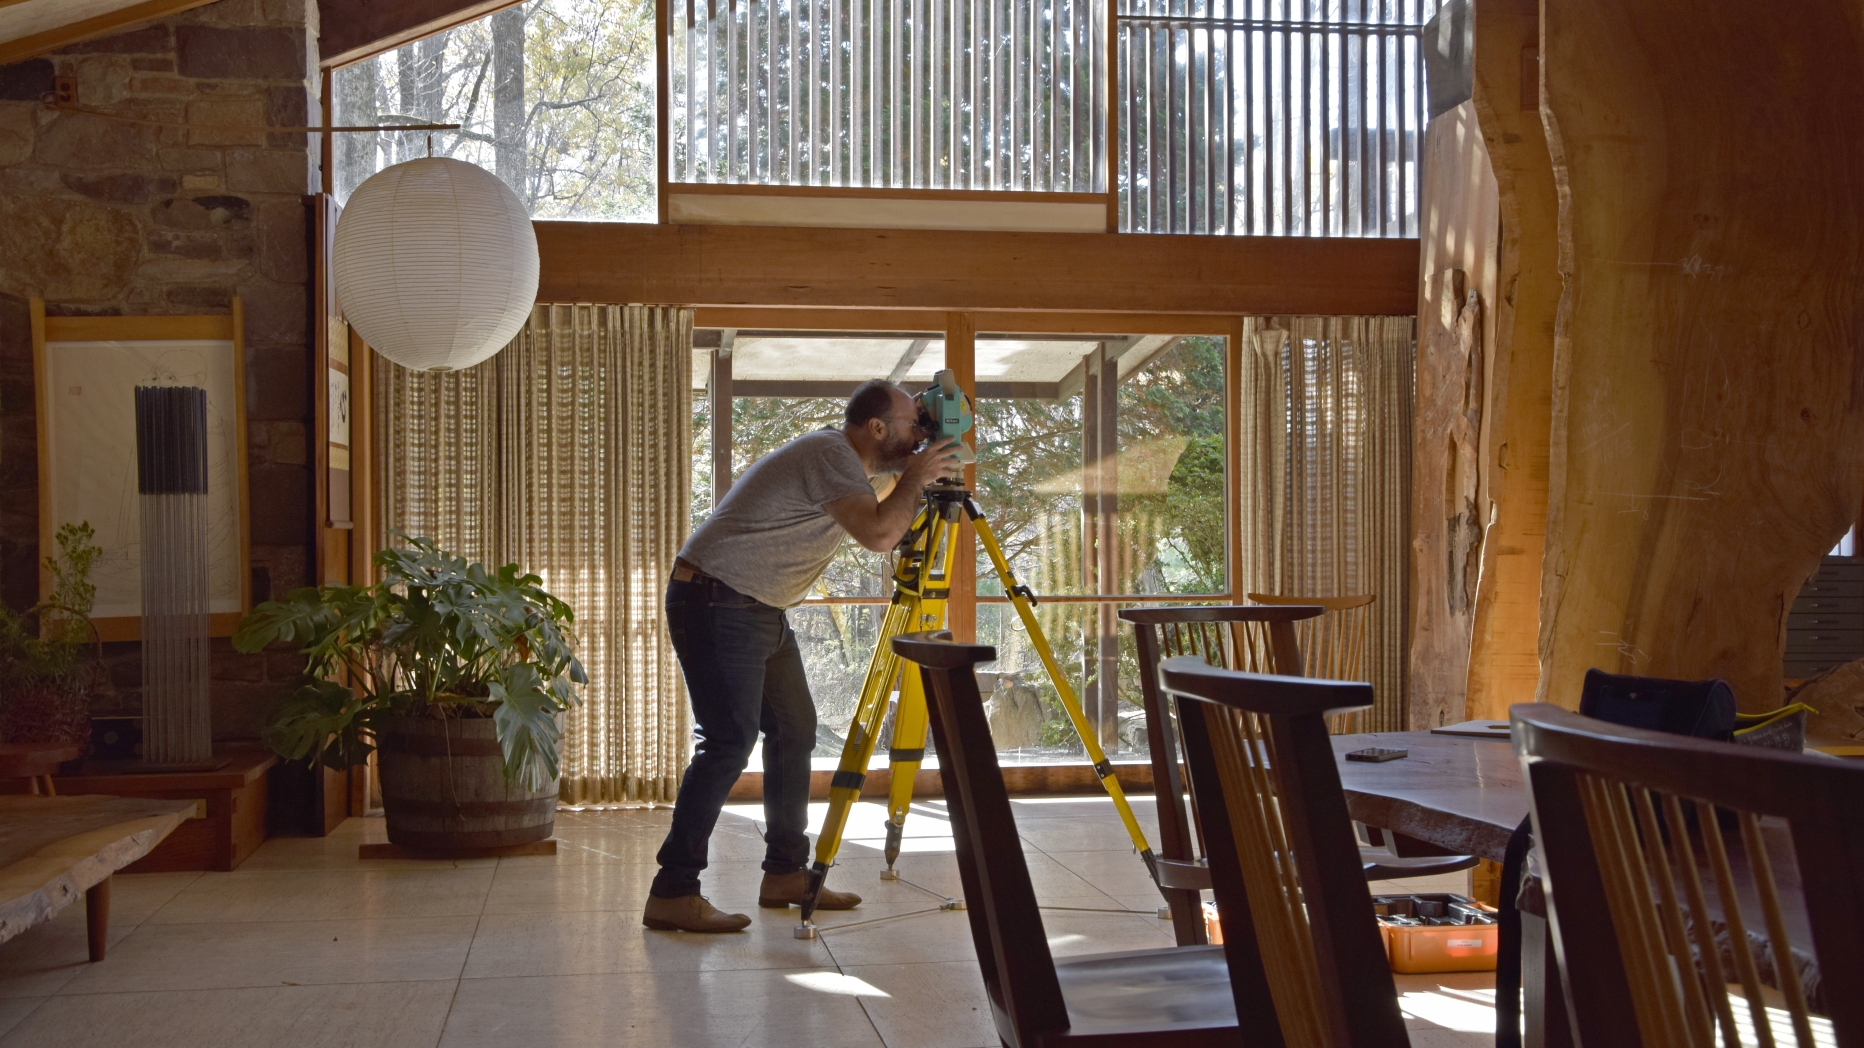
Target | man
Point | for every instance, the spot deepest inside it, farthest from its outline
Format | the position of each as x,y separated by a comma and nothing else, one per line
758,553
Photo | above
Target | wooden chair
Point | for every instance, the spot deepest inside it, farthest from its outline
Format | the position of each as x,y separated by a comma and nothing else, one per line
1170,997
1633,828
1256,639
1334,643
1287,874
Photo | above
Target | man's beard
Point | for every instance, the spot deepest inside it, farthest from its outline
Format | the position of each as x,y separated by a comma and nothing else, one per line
895,454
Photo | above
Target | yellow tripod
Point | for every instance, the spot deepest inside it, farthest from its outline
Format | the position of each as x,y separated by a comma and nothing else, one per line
921,587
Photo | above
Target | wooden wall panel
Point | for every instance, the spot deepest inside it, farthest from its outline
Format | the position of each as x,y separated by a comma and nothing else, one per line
1504,657
1449,503
966,270
1708,409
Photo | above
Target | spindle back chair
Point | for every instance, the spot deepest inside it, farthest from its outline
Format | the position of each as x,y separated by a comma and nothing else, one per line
1287,874
1666,862
1261,639
1333,645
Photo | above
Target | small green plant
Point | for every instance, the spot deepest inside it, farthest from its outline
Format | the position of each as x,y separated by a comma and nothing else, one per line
438,636
48,642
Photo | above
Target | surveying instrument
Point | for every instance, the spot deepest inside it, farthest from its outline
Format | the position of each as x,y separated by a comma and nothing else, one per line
921,588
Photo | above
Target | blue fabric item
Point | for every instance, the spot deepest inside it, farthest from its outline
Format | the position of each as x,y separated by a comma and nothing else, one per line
744,674
1704,709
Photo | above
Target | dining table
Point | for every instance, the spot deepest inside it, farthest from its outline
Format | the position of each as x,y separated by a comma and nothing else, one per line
1463,795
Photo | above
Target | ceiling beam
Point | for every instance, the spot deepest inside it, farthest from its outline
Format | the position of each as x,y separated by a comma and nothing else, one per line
937,269
908,359
356,29
121,20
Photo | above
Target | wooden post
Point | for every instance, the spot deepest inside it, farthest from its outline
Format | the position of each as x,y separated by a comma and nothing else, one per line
961,357
1449,505
721,417
662,106
1233,363
1504,657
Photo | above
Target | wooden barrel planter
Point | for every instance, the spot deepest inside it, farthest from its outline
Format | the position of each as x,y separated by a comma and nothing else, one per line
444,788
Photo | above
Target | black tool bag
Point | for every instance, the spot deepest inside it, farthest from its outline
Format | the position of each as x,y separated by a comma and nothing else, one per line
1704,709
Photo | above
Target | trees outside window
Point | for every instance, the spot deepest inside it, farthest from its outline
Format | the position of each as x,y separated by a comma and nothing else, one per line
556,97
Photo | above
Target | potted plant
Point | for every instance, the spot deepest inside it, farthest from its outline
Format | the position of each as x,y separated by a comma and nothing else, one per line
48,653
455,673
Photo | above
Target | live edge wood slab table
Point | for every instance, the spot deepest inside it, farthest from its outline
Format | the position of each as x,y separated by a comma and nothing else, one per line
53,849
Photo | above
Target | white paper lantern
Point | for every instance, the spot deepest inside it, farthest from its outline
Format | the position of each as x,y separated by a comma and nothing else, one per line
436,263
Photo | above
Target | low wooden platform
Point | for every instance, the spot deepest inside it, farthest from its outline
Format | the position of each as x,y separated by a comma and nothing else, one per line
227,818
54,849
547,846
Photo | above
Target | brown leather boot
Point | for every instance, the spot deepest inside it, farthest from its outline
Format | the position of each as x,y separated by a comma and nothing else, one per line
690,913
786,889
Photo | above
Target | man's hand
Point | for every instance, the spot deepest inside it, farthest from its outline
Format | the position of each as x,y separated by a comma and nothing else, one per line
936,461
879,524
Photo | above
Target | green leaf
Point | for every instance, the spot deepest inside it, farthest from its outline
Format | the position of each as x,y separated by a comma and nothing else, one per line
323,719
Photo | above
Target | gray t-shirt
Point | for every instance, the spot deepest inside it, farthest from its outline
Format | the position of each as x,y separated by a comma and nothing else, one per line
769,538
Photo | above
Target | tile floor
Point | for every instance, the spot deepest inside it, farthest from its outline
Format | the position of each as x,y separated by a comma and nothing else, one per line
305,945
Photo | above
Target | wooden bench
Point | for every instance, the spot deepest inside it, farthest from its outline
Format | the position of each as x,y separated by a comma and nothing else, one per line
53,849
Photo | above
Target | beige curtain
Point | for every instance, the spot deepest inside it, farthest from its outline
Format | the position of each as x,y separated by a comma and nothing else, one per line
1326,487
569,453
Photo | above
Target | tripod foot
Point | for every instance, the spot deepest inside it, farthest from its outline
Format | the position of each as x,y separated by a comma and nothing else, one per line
812,893
892,851
805,930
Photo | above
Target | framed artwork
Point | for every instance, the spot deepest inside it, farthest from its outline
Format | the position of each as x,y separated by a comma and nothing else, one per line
86,370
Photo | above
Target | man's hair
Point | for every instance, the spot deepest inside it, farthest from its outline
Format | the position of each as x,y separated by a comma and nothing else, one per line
871,399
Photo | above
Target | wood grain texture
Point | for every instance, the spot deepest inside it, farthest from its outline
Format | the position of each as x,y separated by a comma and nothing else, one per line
54,848
355,29
1449,502
1709,380
1504,656
967,270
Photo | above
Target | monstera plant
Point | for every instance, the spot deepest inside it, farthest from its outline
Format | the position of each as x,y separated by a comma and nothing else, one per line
439,637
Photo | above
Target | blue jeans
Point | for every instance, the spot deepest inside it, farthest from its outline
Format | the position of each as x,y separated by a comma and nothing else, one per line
744,674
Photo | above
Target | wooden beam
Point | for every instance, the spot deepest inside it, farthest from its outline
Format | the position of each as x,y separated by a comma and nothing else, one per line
967,270
357,29
121,20
911,322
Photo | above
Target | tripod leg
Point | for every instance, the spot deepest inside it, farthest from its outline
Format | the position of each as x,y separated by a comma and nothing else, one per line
1021,599
907,754
851,772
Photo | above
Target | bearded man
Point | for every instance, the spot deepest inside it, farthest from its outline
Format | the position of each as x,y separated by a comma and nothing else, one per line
765,544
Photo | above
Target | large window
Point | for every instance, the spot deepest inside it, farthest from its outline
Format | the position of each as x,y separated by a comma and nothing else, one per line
1102,471
556,97
919,94
1276,117
1264,117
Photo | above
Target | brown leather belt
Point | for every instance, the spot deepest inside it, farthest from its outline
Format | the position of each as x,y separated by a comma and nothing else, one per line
686,571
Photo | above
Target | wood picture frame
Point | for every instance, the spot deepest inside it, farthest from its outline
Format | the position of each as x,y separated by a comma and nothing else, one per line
94,334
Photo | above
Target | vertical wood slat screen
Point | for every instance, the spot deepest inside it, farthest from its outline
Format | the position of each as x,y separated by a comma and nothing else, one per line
568,453
1270,117
930,94
1325,413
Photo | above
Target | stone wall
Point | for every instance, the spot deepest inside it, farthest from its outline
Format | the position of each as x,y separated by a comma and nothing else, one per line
173,215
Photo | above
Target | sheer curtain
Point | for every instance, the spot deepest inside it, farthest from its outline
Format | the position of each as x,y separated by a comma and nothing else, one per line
1326,487
569,453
